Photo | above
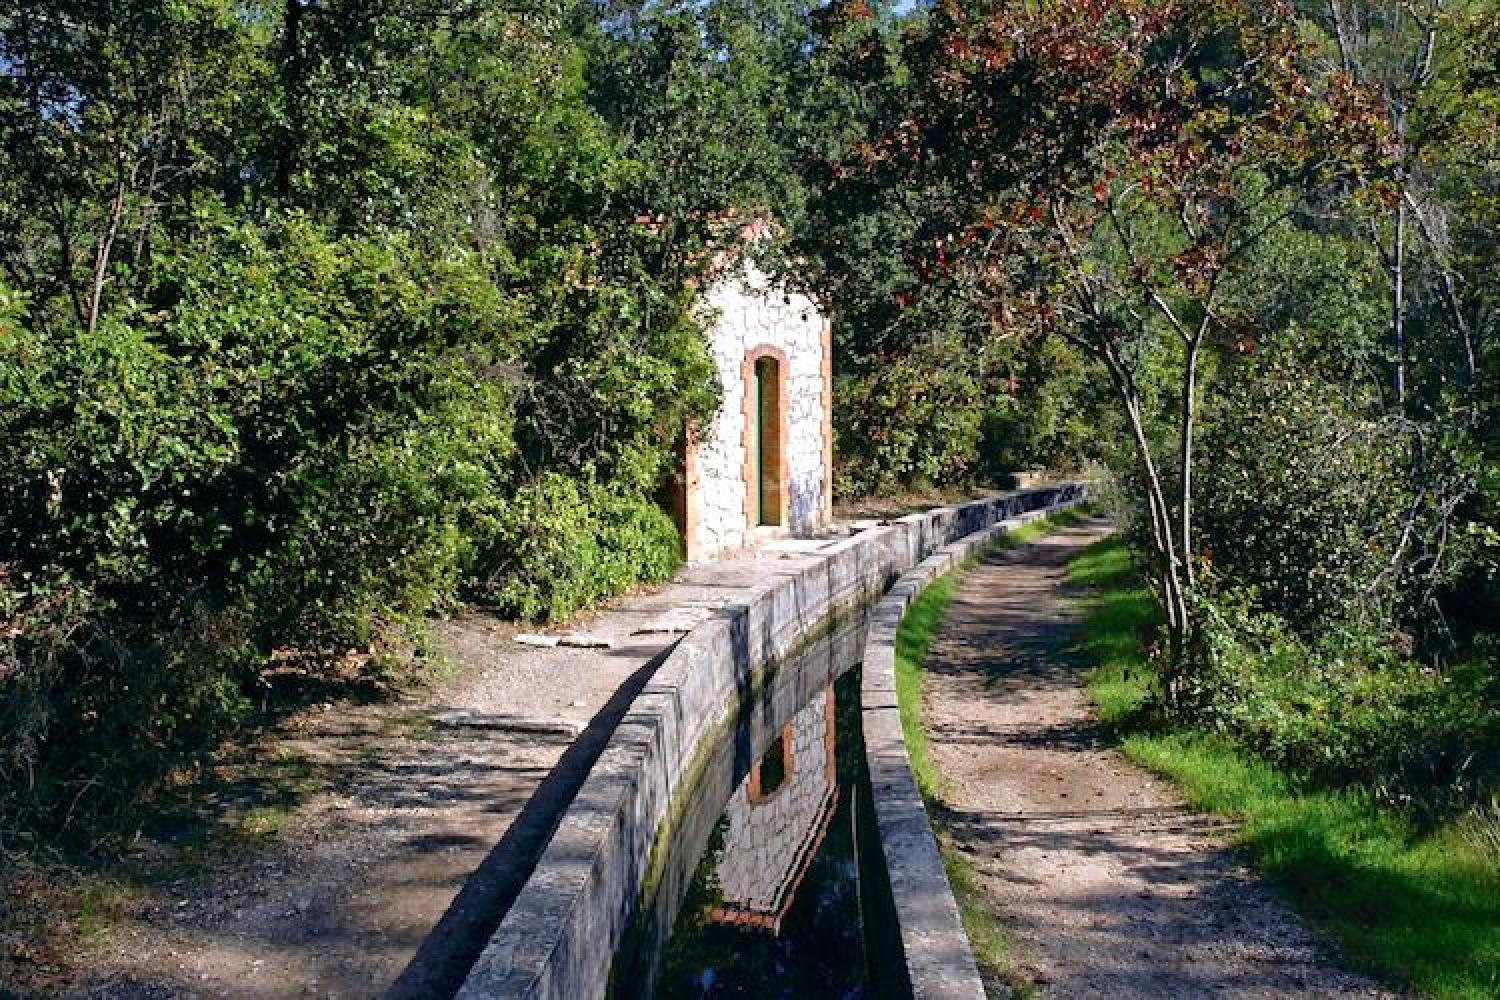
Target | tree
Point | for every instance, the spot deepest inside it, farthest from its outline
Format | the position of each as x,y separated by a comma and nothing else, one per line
113,117
1111,168
313,317
1431,62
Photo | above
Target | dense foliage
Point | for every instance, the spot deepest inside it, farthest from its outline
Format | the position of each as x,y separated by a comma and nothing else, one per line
929,390
312,319
1272,227
316,318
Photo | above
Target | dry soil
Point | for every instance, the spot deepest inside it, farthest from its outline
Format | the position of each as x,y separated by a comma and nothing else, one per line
1110,885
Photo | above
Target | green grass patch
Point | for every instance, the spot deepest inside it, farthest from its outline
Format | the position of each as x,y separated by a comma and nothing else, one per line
1032,530
994,949
100,902
1421,909
913,639
1120,614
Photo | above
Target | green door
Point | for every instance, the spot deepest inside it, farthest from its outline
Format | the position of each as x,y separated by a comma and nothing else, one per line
760,441
766,440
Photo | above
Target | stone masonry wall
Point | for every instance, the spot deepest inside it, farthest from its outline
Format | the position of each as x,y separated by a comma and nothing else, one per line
771,837
559,937
753,313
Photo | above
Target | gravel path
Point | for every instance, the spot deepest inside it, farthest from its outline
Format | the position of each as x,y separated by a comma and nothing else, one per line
1110,885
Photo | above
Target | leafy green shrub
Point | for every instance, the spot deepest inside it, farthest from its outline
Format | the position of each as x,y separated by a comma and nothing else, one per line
561,545
94,710
945,413
638,537
1345,707
1303,498
907,422
291,450
290,432
384,527
1047,415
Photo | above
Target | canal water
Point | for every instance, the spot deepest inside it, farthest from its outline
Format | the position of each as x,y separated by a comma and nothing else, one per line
769,883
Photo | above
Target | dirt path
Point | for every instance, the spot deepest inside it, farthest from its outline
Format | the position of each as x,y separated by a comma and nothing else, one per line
1111,887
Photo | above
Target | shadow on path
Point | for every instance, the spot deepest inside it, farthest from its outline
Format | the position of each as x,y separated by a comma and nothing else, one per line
1111,886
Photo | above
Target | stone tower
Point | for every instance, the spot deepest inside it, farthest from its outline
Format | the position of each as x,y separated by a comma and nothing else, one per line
764,464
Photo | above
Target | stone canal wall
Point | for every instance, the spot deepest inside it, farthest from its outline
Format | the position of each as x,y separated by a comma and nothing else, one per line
935,956
560,935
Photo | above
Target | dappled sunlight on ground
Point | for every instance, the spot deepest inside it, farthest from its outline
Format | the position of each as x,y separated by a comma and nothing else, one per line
1109,884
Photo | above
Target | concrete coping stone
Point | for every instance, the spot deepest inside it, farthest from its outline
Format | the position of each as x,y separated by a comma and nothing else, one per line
559,937
939,960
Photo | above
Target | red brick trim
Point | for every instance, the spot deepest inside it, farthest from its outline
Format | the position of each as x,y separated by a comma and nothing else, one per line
688,495
788,742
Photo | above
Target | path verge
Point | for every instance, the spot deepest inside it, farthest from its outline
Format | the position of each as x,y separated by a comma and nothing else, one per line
1105,879
1420,907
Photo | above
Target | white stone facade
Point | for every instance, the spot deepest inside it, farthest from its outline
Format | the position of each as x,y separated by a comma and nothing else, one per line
754,317
773,834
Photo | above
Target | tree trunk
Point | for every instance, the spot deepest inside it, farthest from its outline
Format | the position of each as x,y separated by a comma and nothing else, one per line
1167,558
1398,305
1185,456
103,252
291,88
1448,285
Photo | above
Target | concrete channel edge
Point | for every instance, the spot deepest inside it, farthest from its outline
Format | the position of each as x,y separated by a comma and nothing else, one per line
559,937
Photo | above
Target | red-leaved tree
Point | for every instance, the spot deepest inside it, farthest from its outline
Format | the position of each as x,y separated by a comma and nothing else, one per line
1112,164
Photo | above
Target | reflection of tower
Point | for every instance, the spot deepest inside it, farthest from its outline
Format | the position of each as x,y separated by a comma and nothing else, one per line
777,819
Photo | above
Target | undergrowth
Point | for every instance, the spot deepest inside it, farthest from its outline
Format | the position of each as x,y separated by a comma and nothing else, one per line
1419,907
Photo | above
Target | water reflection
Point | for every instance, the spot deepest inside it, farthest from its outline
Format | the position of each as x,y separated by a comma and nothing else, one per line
777,819
773,909
752,887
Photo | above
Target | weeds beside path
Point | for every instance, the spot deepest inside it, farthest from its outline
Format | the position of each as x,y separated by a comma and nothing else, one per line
1104,881
1423,909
